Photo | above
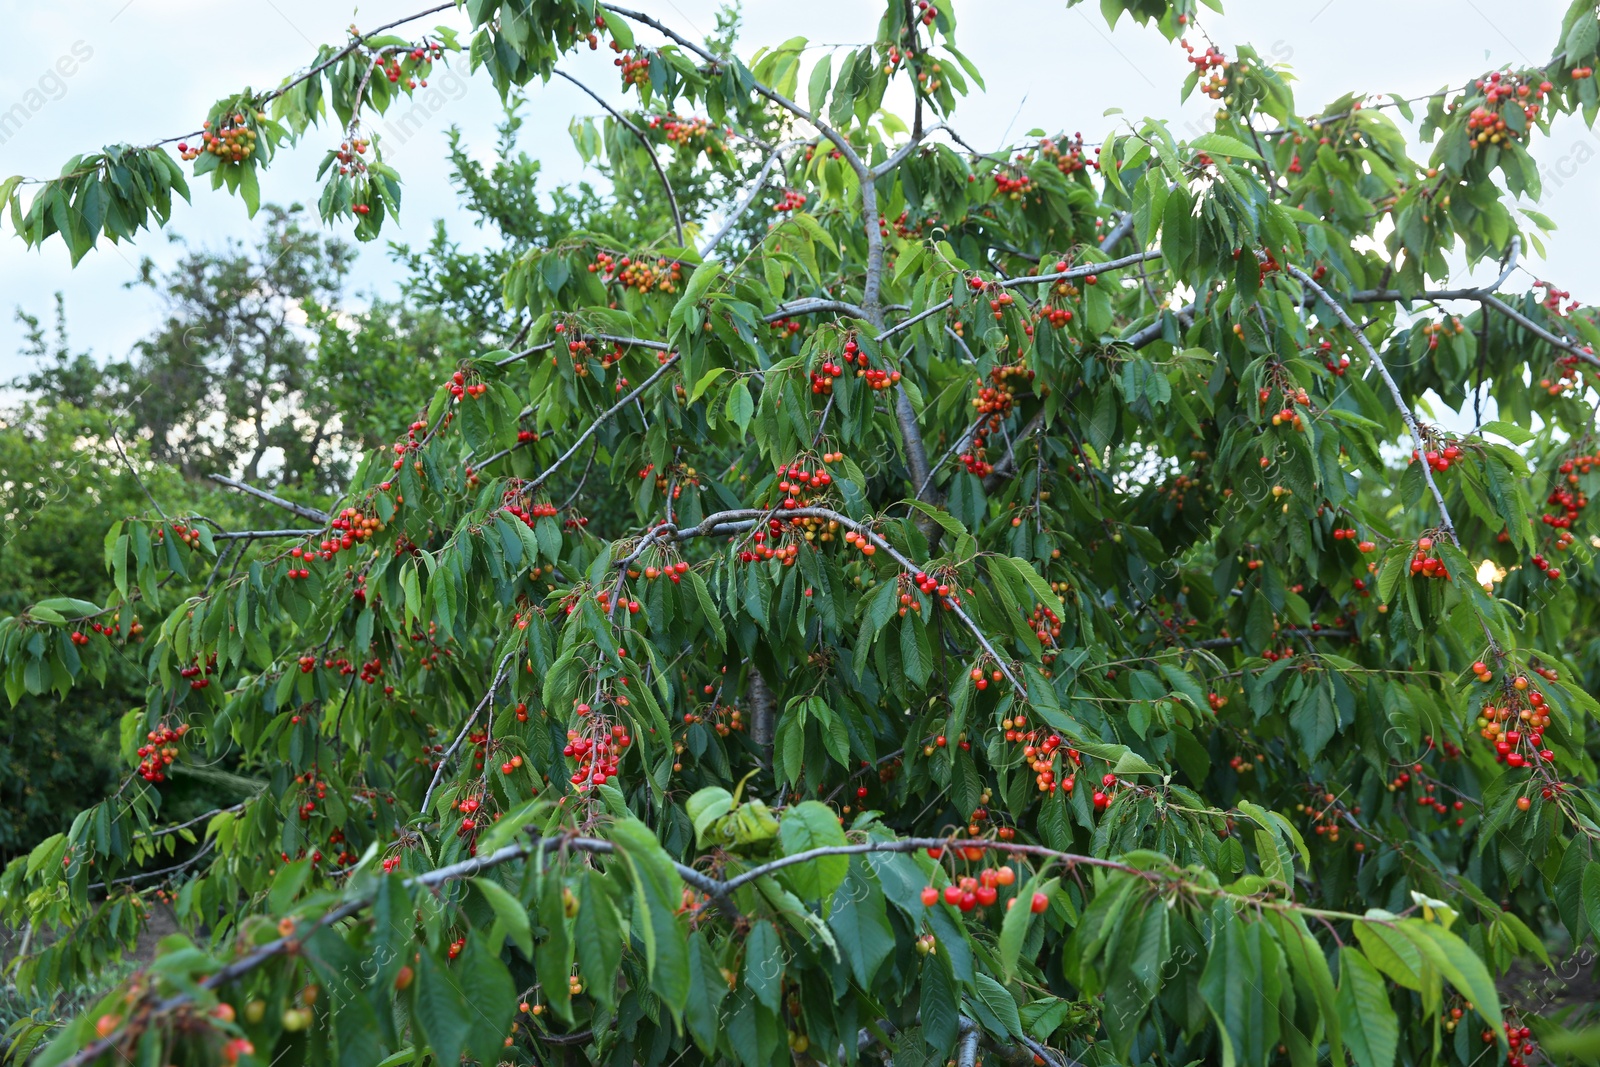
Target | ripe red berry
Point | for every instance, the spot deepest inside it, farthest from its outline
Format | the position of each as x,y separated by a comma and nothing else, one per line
1040,903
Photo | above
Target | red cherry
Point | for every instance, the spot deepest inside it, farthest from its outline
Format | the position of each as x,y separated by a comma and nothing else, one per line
1040,903
930,897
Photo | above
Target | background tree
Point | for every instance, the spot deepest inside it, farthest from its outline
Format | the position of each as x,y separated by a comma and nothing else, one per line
883,599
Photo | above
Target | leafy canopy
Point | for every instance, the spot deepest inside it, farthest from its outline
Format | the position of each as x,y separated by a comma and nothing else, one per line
854,534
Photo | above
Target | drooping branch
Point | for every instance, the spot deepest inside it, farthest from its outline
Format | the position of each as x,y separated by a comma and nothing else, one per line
272,498
600,420
744,204
466,725
725,522
1070,274
257,535
718,889
649,150
1446,525
839,141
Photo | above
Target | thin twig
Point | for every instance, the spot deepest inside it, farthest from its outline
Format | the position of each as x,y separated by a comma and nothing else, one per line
649,150
288,505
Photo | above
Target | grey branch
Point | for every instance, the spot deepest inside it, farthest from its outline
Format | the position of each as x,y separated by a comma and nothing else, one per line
649,150
288,505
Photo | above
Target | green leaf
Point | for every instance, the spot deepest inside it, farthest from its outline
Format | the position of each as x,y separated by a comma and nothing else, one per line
1246,1012
1591,889
707,989
860,924
1517,435
705,807
999,1002
1581,39
1014,928
817,86
739,407
700,282
1220,144
598,937
705,382
1459,965
1366,1021
806,826
764,964
658,892
510,917
441,1010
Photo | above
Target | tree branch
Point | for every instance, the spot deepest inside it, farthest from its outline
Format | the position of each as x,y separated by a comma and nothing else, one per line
724,522
438,771
756,186
1446,525
1081,271
256,535
288,505
649,150
604,417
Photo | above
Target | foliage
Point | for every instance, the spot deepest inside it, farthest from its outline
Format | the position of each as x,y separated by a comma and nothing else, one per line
710,667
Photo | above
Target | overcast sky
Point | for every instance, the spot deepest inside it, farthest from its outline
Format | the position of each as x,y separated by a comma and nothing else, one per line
148,69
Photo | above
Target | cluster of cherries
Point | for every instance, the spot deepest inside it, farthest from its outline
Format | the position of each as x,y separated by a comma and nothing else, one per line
795,479
422,56
1518,1038
694,132
662,276
792,200
1325,819
159,751
1288,416
904,227
877,378
188,535
1012,187
410,444
1212,64
1337,366
314,790
1567,379
350,155
596,758
822,378
1066,154
197,671
1046,626
1434,331
1426,565
1348,533
635,68
111,627
674,571
993,404
1486,124
468,807
761,550
232,141
982,891
1566,501
1551,571
1429,797
926,12
1440,459
539,509
1516,726
460,387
